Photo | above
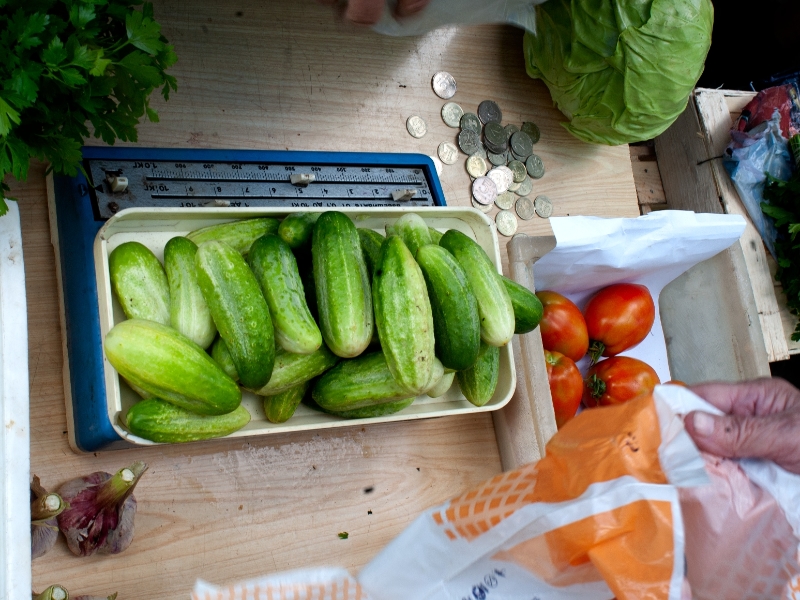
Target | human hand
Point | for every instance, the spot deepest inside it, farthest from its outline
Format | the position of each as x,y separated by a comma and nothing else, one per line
762,420
368,12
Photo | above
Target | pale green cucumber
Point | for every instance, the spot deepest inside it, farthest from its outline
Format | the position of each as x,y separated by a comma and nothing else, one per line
161,421
168,365
479,381
436,235
222,356
296,228
527,307
275,268
494,303
371,242
413,231
143,393
139,282
442,386
292,369
238,234
344,297
280,407
456,323
188,311
403,316
379,410
239,310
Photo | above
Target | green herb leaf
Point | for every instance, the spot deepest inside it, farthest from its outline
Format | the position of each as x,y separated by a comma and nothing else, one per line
144,33
55,53
138,64
100,64
8,116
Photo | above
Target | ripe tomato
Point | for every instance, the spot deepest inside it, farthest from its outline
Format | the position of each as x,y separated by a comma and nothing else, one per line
617,380
562,326
618,317
566,385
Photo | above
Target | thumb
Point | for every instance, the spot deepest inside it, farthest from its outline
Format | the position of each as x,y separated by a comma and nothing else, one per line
734,436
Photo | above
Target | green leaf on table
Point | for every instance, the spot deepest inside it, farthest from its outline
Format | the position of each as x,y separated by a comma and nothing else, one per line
81,14
8,116
72,77
55,53
79,55
23,83
3,206
144,32
100,64
152,115
26,28
139,66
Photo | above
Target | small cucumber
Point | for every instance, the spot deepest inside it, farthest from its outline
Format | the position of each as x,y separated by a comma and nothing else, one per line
161,421
379,410
527,307
139,282
293,369
413,231
275,268
296,228
479,381
344,297
442,386
371,242
238,234
188,311
435,235
143,393
403,316
239,310
222,356
494,303
280,407
168,365
456,324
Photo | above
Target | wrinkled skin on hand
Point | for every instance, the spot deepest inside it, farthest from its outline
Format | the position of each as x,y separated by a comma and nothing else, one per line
368,12
762,420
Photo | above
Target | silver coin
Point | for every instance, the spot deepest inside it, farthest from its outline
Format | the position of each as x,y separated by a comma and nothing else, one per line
505,200
532,130
444,85
470,121
509,174
518,170
448,152
535,166
484,208
476,166
416,126
525,188
469,141
506,222
522,144
511,129
494,134
525,208
497,159
501,178
452,113
489,112
484,190
543,206
514,186
481,152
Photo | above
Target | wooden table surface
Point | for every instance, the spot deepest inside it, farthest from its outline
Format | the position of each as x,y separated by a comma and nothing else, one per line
287,75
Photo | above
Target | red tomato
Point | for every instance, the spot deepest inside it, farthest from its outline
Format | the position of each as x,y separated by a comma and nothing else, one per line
617,380
566,385
562,326
618,317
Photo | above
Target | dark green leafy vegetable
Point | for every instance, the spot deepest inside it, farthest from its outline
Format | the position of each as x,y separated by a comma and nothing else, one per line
66,64
343,535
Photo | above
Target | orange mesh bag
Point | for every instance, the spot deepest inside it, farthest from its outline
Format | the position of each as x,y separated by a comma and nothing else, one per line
303,584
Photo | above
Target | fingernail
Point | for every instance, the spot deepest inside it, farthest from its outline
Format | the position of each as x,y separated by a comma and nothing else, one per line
703,423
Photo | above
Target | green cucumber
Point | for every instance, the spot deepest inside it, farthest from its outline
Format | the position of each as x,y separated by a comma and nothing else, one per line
442,386
344,298
293,369
275,268
379,410
403,316
371,242
494,303
222,356
280,407
238,234
527,307
413,231
436,235
188,311
143,393
239,310
296,228
170,366
479,381
139,282
456,323
161,421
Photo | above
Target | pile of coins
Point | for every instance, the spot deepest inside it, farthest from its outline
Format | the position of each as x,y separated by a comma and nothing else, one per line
508,149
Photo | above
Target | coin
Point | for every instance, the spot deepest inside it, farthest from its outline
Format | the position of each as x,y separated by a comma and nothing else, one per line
484,190
518,170
476,166
489,112
525,188
470,121
469,141
501,178
452,113
505,200
501,149
494,134
522,144
514,186
532,130
448,152
525,208
497,159
485,208
443,85
515,156
481,152
506,222
543,206
535,166
416,126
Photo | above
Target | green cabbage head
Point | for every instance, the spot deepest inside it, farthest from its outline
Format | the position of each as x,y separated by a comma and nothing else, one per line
620,70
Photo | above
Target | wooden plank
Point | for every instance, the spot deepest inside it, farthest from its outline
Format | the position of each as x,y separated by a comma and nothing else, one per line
646,175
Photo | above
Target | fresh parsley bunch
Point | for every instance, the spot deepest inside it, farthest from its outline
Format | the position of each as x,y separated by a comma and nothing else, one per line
66,65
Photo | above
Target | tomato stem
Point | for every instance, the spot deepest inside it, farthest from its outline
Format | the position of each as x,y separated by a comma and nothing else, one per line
596,349
597,387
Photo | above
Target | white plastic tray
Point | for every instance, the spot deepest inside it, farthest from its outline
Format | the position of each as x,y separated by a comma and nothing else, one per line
154,227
